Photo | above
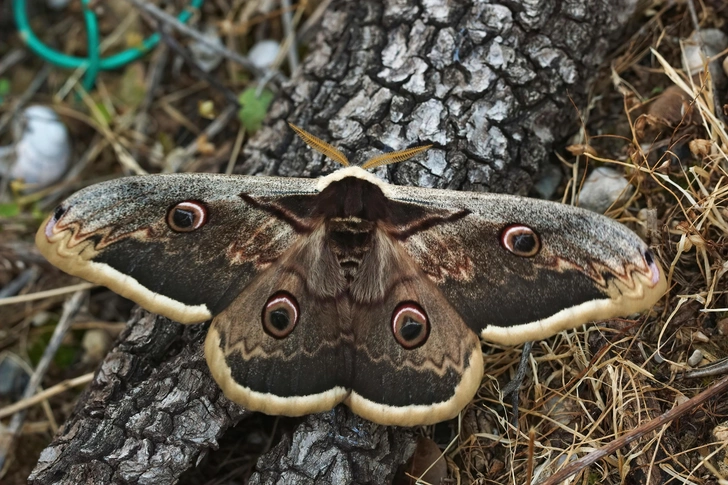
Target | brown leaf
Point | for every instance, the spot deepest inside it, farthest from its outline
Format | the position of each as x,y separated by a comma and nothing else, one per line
700,148
420,465
581,149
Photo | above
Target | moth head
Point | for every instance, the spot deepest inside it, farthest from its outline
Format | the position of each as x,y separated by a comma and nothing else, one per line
335,154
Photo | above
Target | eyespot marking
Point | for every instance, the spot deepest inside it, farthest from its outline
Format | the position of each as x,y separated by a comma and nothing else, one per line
187,216
520,240
410,325
280,315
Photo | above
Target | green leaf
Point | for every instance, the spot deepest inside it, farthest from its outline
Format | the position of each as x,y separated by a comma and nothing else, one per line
253,108
132,87
66,355
4,87
9,209
104,112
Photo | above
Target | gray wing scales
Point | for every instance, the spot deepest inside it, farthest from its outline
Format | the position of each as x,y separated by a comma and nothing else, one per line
588,267
117,234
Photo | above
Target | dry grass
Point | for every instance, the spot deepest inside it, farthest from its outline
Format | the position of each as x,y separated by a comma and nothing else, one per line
585,388
593,386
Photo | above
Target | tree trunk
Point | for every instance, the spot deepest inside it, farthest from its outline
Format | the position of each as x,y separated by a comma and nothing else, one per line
491,85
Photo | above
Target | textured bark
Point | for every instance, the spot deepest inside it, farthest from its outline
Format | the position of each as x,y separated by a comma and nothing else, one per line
150,411
491,84
487,83
336,447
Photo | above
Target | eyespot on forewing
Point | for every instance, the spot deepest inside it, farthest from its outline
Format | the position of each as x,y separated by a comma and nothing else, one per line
187,216
520,240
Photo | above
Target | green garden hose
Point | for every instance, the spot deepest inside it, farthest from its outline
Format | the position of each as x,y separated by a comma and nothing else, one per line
94,62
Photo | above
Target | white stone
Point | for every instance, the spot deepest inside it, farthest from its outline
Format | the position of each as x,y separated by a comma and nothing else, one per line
603,187
96,342
263,53
714,41
42,147
695,358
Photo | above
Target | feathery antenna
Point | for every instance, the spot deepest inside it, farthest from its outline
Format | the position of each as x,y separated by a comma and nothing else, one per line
335,154
320,146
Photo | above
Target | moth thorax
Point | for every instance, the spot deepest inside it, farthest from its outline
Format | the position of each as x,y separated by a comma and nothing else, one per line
350,240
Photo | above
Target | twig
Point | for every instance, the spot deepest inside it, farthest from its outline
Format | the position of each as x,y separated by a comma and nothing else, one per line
45,294
220,122
154,77
168,19
34,86
18,283
11,58
43,395
573,468
10,434
95,147
514,386
178,159
289,42
715,369
696,25
182,52
236,150
287,19
100,123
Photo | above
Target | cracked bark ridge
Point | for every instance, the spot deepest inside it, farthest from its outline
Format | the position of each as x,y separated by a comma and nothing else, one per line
336,447
488,82
149,413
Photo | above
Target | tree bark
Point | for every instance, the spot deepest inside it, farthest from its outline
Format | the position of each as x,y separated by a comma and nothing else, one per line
490,84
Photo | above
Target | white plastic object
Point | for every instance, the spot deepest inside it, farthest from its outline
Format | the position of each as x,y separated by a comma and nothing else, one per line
263,53
42,148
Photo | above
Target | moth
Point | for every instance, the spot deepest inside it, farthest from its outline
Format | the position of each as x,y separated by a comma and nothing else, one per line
346,288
